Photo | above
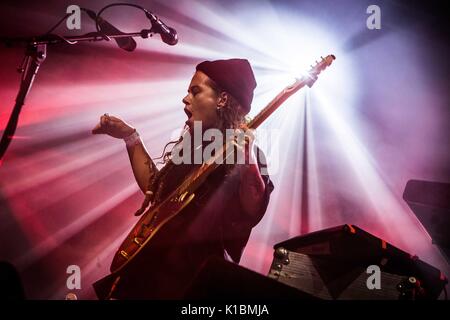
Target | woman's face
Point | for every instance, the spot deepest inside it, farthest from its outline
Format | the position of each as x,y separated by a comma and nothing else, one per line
201,102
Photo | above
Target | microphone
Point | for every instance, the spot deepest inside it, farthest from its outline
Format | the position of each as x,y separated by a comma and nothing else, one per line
168,35
126,43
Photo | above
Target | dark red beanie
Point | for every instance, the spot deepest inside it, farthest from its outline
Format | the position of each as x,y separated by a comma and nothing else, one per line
235,76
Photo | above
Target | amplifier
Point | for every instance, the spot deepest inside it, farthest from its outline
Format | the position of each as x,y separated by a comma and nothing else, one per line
346,262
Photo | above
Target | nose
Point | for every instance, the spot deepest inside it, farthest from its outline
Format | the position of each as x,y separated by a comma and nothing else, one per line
185,99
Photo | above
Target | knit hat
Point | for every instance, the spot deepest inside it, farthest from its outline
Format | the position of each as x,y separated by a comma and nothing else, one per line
235,76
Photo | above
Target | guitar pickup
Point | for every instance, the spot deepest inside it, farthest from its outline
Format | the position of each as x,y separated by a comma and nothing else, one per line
137,241
180,197
124,254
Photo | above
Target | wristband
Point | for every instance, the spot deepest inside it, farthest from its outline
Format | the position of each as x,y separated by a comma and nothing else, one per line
133,139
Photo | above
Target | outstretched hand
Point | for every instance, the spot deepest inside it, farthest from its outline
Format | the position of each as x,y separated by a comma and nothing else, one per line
113,126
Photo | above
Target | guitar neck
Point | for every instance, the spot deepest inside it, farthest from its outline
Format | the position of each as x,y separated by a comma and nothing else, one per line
199,176
275,103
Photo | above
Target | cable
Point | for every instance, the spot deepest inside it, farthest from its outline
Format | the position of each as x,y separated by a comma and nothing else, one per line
57,24
60,21
96,17
117,5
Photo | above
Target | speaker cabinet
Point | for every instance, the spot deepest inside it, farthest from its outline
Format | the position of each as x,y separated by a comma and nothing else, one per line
348,263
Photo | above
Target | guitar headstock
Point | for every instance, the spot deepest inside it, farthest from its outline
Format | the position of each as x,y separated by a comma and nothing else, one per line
318,68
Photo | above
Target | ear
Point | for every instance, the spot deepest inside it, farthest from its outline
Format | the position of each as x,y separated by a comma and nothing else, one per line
222,99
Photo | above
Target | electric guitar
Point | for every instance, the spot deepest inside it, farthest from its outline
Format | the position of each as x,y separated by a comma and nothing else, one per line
155,218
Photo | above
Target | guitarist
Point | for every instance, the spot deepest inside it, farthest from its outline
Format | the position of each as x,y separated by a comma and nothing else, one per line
225,208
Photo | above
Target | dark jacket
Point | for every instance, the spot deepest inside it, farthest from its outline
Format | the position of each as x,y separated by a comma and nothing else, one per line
213,224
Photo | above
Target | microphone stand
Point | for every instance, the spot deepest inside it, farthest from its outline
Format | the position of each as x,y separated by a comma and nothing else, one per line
35,54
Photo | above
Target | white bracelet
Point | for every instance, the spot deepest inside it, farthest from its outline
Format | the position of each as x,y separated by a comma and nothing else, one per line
133,139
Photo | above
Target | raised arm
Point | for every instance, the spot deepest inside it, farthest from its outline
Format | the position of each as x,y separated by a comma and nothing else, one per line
141,163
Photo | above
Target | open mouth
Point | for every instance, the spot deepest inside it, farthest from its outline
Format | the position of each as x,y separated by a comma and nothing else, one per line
188,113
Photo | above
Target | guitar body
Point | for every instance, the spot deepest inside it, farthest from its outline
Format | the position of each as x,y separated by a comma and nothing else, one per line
147,226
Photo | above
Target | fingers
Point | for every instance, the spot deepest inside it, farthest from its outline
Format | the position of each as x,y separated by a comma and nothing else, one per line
250,134
105,121
244,141
114,119
250,137
98,129
245,138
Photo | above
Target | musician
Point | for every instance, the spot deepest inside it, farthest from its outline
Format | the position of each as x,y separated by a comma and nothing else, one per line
225,208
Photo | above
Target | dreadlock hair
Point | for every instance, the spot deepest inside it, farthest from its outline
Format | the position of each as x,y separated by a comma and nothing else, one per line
231,116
